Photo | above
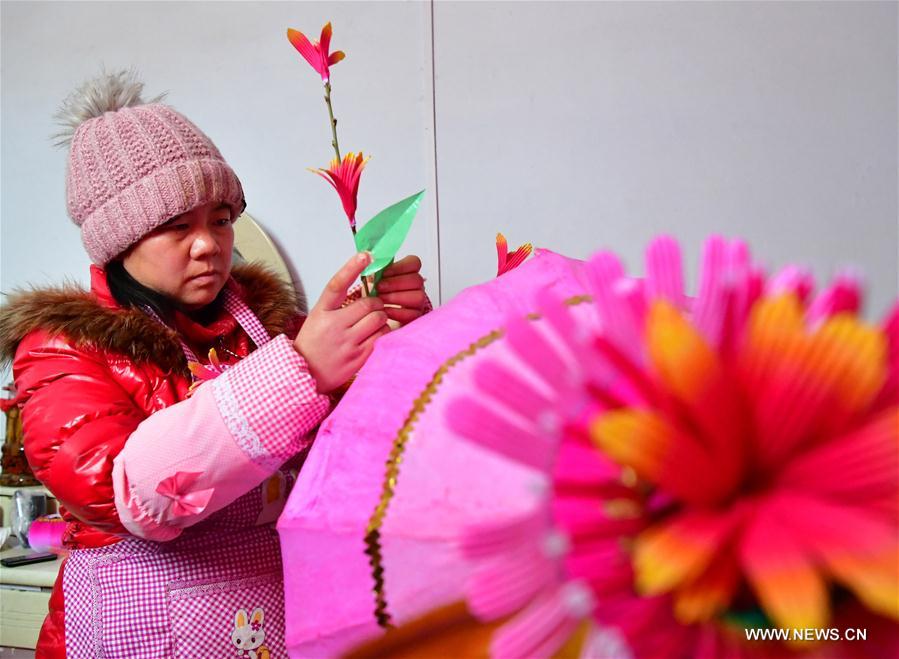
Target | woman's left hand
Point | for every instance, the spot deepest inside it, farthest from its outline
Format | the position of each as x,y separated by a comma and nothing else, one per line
402,285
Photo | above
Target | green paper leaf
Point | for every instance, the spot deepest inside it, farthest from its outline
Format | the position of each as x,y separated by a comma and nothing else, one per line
378,276
383,235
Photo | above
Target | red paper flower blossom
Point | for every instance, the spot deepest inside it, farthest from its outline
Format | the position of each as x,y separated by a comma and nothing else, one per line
316,52
344,177
506,260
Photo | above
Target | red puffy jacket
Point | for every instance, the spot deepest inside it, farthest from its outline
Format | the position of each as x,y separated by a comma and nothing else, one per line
110,369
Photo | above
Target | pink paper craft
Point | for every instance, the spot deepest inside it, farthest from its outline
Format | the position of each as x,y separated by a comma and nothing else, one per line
329,584
603,484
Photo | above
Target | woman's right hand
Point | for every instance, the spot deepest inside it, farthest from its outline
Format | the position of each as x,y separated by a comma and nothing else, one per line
335,341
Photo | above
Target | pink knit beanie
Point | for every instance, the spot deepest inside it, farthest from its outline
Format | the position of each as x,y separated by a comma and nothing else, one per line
134,165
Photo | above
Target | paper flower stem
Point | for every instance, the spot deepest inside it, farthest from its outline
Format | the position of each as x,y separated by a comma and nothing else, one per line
364,283
333,120
334,143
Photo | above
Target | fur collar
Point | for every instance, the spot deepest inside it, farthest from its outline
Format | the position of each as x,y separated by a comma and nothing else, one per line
74,312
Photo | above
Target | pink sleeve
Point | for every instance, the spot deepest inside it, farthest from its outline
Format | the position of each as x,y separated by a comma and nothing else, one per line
191,459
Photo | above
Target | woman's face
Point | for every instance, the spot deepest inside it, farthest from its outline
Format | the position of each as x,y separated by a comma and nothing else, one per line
188,258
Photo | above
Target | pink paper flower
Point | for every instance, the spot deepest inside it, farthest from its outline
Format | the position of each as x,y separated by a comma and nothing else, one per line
344,178
316,52
713,464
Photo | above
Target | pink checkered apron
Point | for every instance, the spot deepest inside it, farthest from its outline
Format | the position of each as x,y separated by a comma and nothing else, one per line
215,591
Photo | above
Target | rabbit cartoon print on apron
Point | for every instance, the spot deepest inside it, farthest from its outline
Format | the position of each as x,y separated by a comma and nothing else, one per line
248,636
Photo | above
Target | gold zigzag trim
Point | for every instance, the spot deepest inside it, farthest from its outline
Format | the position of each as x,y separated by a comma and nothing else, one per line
373,530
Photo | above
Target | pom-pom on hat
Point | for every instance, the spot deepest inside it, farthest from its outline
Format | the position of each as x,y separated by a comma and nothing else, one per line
133,165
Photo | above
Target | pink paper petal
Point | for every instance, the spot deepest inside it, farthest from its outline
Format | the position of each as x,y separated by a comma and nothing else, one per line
479,423
664,271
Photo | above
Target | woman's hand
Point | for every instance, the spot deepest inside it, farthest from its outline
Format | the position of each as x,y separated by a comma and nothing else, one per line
336,342
402,285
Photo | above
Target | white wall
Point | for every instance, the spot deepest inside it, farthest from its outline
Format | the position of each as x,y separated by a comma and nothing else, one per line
581,125
572,125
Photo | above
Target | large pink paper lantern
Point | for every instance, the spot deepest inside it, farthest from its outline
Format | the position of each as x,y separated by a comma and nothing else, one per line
334,596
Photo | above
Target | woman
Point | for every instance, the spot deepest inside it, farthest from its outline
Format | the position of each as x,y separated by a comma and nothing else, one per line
167,409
